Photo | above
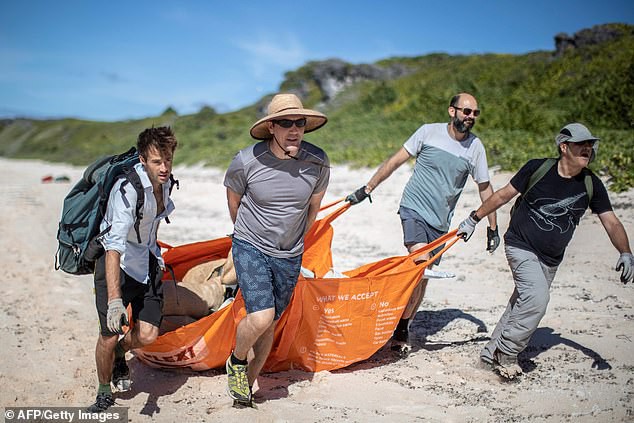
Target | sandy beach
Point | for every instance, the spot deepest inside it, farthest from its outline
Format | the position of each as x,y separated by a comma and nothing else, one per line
579,366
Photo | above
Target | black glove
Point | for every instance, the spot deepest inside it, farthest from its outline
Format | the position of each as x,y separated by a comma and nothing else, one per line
493,239
358,196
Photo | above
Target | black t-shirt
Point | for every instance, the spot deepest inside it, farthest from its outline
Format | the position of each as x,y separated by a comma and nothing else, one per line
546,217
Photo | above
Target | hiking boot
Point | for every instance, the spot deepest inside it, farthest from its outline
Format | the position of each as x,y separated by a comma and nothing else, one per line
238,383
121,375
505,365
102,403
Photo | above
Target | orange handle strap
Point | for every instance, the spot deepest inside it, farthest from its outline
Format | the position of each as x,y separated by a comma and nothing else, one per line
449,239
441,252
335,214
162,244
327,206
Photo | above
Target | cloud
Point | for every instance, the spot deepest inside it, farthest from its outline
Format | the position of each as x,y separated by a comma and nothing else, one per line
268,53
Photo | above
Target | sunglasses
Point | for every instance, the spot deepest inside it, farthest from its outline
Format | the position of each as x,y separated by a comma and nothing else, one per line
287,123
467,111
584,143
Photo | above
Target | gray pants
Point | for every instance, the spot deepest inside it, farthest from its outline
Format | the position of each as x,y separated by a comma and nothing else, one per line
526,306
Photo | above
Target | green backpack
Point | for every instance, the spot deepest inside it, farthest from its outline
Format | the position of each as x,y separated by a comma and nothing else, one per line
539,174
84,209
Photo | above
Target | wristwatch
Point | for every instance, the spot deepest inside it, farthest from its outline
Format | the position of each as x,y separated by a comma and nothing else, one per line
474,216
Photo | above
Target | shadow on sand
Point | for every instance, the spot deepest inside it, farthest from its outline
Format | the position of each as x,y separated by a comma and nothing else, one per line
157,383
545,338
425,324
164,382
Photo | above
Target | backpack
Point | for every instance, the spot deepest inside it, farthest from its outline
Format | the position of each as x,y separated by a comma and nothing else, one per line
85,206
541,172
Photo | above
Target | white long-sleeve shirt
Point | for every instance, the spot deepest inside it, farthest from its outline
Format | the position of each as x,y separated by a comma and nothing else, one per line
122,237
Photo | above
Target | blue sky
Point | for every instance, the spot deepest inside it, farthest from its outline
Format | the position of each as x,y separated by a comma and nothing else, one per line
115,60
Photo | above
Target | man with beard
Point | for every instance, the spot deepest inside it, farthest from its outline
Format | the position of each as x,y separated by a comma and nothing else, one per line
446,153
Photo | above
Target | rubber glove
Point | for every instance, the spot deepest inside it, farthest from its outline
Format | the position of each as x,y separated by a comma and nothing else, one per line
626,266
466,228
117,316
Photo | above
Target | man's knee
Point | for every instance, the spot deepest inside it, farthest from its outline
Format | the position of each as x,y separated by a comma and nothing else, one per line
262,320
146,333
107,342
270,330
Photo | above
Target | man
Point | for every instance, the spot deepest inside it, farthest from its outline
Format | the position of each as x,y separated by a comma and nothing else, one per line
130,270
274,191
542,224
446,153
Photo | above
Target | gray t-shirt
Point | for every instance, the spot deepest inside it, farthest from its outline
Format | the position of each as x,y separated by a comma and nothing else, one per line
440,173
276,195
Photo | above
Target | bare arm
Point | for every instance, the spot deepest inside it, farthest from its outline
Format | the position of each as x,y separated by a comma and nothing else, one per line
313,209
485,189
496,200
233,201
113,274
616,231
387,168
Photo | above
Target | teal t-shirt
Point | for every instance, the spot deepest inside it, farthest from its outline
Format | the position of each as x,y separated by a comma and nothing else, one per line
440,172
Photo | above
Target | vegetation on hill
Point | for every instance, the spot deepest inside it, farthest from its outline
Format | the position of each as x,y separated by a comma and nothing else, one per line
525,100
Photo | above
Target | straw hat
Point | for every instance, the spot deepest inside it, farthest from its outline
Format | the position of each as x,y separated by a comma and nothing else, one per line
287,105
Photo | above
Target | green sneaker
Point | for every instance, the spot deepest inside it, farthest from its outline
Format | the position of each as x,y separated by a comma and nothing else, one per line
247,404
238,383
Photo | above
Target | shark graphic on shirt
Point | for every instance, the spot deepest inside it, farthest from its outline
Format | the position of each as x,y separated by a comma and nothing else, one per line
553,214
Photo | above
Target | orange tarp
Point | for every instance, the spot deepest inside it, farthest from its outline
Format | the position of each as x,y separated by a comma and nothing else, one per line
329,324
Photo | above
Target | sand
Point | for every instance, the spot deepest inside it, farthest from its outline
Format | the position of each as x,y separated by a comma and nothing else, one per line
579,366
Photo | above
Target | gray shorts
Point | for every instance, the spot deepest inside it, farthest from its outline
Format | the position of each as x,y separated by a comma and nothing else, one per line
417,231
266,282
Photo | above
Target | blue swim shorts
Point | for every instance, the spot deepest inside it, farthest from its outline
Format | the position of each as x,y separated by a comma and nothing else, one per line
265,281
